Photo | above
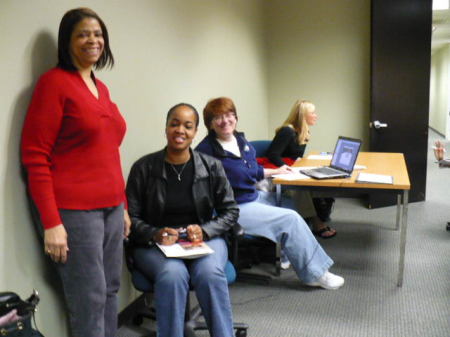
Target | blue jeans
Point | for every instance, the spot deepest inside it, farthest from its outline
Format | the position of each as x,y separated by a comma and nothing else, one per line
171,279
262,218
91,275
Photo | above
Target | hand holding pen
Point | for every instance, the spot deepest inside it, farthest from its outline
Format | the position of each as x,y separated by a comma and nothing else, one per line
166,236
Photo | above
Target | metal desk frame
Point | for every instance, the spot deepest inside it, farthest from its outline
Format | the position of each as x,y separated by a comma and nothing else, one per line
402,193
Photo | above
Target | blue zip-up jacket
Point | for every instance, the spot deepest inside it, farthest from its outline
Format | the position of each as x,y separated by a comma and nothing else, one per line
242,172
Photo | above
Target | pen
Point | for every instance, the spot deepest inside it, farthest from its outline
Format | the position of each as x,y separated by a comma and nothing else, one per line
168,234
181,233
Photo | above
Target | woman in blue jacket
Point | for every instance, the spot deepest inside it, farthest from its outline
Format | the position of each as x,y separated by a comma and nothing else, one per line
258,214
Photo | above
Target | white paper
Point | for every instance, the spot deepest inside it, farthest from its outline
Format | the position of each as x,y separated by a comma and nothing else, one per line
176,250
320,156
374,178
298,168
290,176
360,167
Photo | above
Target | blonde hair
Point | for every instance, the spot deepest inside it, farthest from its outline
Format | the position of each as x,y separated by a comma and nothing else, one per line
296,120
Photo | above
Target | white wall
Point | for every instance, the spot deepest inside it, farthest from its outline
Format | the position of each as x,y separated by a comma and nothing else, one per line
439,90
166,51
320,50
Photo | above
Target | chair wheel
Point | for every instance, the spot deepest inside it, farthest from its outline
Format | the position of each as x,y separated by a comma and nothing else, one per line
241,333
138,320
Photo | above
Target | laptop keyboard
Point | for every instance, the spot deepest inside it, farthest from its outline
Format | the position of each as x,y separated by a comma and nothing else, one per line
327,170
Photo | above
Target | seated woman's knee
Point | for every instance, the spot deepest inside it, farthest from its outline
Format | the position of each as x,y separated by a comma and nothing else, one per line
290,217
172,274
213,277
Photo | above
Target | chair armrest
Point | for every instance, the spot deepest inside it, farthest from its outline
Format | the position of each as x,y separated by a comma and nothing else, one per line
444,163
128,250
234,234
237,230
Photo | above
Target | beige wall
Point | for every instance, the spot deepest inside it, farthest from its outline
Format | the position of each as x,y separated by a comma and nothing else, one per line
166,52
263,54
439,90
320,50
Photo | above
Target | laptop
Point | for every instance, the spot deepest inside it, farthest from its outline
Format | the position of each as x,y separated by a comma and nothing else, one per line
342,163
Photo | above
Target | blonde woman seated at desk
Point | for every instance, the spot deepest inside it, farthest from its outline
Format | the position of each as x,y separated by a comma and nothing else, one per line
289,144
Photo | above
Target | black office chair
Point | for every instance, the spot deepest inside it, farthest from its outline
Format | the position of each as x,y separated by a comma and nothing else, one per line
255,248
193,315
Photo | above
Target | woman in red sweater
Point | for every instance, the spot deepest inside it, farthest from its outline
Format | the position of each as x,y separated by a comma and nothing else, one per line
70,149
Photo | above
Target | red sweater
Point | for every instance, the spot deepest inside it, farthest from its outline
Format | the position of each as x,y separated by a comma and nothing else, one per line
70,146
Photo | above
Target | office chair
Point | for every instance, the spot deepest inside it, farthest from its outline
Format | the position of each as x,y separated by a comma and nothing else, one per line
256,245
261,147
192,315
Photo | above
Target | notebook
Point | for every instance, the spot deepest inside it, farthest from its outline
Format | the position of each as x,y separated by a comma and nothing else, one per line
342,163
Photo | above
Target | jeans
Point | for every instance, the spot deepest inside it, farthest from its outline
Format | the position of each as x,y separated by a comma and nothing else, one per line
172,278
262,218
91,275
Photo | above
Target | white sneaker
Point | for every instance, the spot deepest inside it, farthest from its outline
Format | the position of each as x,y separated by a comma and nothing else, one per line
285,265
328,281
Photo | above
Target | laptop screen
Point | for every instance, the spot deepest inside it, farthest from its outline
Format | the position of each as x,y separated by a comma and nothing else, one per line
345,153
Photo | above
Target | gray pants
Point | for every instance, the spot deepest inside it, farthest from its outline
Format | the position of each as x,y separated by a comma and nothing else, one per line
91,275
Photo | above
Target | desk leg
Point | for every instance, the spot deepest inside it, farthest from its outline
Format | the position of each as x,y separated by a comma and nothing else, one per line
403,228
399,209
278,244
278,194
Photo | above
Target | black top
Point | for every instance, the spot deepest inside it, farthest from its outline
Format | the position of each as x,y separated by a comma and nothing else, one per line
211,192
285,144
179,210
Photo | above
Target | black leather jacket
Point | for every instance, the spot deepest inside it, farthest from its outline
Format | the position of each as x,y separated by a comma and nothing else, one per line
217,210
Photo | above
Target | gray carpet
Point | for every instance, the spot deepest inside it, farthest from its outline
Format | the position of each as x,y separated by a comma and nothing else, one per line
365,252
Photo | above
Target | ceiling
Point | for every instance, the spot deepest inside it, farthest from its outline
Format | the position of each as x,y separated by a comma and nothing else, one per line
441,29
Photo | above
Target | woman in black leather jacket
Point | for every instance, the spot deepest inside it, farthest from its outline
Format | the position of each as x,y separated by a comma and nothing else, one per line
172,191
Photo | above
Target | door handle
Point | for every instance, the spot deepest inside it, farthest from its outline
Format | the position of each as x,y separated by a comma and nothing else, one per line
378,125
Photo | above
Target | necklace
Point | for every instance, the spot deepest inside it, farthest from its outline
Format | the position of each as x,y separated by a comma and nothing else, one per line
181,171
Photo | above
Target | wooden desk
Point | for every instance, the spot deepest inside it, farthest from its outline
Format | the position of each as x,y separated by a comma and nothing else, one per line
380,163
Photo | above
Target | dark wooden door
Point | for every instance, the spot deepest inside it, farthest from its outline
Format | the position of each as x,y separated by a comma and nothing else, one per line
400,67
